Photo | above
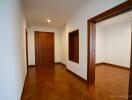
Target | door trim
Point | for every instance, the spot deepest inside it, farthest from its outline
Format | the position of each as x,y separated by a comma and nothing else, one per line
91,23
26,40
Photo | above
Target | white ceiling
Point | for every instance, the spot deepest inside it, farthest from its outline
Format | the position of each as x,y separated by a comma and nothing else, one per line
117,19
37,11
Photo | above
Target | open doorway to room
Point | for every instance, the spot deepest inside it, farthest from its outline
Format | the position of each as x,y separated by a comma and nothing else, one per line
113,48
92,23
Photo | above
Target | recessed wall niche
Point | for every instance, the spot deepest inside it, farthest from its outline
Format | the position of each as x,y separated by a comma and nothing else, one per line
74,46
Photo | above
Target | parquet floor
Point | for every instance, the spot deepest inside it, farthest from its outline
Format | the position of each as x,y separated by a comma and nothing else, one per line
56,83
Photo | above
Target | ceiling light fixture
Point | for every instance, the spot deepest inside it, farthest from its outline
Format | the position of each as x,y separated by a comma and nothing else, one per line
48,20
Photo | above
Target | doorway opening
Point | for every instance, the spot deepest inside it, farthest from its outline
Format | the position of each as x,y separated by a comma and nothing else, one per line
122,8
113,47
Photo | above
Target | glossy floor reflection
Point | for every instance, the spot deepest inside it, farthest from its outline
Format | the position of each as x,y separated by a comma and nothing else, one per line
56,83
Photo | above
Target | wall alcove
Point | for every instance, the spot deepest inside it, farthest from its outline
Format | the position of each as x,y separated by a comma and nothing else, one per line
74,46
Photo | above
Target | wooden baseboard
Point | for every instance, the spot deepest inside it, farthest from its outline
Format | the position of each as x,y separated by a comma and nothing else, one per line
97,64
31,66
80,78
72,72
60,63
24,86
113,65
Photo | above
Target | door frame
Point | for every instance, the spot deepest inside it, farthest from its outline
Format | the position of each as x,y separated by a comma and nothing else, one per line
91,27
26,40
35,45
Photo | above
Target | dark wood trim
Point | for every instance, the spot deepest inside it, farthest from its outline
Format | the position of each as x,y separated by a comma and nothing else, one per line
31,66
60,63
98,64
124,7
26,39
44,31
23,86
91,53
113,65
130,75
78,77
74,31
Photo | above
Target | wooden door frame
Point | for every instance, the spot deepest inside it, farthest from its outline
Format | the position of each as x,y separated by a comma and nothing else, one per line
26,40
35,43
122,8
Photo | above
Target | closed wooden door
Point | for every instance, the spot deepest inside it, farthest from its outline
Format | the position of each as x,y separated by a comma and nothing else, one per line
44,48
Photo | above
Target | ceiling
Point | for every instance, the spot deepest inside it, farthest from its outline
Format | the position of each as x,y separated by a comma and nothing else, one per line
118,19
59,11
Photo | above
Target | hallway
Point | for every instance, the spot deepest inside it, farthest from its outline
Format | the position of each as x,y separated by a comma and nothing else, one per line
72,43
56,83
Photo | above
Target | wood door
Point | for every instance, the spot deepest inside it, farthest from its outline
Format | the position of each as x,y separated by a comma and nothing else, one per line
44,48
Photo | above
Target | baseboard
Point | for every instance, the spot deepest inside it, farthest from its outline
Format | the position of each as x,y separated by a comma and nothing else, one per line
113,65
31,66
99,63
60,63
24,85
80,78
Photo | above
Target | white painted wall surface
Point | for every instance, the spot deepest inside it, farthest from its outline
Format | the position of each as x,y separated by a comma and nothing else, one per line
79,21
116,43
12,51
64,45
99,44
31,46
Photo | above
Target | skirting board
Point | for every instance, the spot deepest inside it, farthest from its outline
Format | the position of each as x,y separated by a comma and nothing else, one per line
60,63
72,73
24,85
55,63
31,66
77,76
113,65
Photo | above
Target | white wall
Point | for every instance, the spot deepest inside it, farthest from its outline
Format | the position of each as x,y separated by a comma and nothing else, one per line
79,21
116,44
64,45
31,46
100,44
12,50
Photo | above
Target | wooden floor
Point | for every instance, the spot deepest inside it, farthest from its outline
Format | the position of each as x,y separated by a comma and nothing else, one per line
56,83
